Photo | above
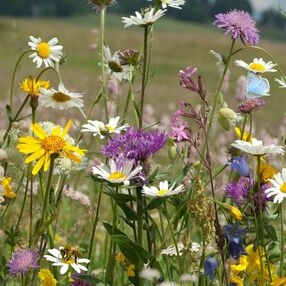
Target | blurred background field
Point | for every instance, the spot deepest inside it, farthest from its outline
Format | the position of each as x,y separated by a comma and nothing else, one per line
177,44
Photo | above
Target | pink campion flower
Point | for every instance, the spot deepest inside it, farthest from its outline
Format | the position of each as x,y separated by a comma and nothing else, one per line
187,80
180,132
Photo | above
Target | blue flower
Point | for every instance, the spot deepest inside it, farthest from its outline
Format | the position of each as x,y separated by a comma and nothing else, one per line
210,267
239,164
234,234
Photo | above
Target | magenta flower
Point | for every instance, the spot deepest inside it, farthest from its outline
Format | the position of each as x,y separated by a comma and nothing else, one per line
238,24
250,105
180,132
22,261
187,80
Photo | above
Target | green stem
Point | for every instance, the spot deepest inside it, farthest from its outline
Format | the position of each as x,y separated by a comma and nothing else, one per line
181,265
143,76
282,241
243,127
140,217
220,85
14,75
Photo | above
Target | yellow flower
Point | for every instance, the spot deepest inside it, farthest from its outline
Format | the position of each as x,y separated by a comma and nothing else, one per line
246,136
45,146
235,213
47,278
266,172
7,186
238,281
130,270
279,282
236,268
120,257
31,86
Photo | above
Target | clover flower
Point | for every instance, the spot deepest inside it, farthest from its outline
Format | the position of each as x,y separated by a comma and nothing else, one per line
250,105
22,261
238,24
45,52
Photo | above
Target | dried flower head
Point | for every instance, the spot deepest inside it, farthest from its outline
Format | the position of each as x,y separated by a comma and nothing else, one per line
128,57
101,4
238,24
250,105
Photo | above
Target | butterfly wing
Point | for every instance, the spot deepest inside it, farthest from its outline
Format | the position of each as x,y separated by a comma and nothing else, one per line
256,86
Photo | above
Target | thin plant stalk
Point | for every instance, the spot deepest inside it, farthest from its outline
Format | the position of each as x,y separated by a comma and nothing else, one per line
281,241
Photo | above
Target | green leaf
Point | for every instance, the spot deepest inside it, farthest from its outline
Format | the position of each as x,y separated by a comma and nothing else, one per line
128,211
154,174
89,278
8,110
110,269
121,198
155,203
271,233
109,229
131,250
136,108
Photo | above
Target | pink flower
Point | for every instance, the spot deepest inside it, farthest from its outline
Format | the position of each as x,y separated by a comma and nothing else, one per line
180,132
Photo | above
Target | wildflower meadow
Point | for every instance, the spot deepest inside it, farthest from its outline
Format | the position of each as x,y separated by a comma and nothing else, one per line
108,195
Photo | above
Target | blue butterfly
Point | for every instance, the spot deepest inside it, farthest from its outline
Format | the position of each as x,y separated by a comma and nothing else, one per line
256,86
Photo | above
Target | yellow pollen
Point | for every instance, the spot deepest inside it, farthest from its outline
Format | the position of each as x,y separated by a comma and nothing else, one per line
61,97
109,128
117,176
257,67
53,143
43,50
283,188
161,193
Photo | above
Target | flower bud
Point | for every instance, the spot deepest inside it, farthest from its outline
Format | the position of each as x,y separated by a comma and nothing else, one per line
3,155
227,118
235,213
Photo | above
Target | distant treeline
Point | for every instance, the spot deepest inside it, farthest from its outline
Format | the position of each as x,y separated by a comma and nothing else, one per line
201,11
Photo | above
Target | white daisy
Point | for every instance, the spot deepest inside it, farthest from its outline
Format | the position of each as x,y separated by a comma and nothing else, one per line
58,260
257,66
278,189
144,19
163,191
61,98
281,82
255,147
113,66
172,3
45,52
101,129
117,174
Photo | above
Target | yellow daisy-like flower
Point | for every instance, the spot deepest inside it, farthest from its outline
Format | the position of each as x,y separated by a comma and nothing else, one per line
279,282
267,172
31,86
45,146
47,278
130,270
246,136
6,184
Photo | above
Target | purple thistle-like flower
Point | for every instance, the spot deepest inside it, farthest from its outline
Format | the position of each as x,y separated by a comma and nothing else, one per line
238,24
238,191
239,164
135,144
250,105
22,261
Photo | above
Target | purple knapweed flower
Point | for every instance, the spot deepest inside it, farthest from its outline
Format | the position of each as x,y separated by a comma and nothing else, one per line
180,131
234,234
238,24
22,261
250,105
239,164
134,144
210,267
238,191
187,80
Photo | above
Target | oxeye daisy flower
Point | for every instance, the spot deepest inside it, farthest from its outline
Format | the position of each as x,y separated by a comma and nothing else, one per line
171,3
101,129
238,24
61,98
45,52
117,173
47,278
257,66
22,261
31,86
145,18
256,147
278,189
163,191
65,261
44,146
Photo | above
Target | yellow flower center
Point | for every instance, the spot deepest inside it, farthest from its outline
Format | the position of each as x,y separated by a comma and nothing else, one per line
283,188
61,97
109,128
257,67
44,50
161,193
117,176
53,143
68,260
